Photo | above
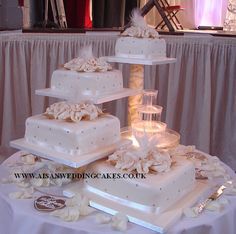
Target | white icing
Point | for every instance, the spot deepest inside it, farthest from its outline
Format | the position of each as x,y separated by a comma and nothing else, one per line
74,84
140,41
157,191
143,48
73,112
74,138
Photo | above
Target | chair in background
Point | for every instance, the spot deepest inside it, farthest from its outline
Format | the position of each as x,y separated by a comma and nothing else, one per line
168,14
171,12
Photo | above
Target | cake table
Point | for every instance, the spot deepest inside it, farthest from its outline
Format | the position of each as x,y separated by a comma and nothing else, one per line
19,216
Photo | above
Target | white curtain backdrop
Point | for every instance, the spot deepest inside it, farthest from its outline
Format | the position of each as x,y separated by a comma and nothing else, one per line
196,12
210,12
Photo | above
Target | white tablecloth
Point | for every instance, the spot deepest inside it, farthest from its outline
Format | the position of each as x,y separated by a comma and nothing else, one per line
20,217
197,93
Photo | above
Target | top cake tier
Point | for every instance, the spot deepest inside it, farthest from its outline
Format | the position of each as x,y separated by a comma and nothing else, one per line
140,41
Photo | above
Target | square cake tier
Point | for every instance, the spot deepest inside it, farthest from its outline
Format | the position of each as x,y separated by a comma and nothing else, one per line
74,84
73,138
154,194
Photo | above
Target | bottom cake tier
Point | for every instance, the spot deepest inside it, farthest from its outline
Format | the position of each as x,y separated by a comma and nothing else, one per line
153,194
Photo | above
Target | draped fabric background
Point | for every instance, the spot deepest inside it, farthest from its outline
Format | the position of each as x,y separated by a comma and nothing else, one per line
196,12
78,13
108,13
112,13
129,6
197,93
210,12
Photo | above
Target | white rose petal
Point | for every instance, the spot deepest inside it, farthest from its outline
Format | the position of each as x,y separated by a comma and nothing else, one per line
119,222
191,212
74,201
103,219
68,214
28,159
215,206
23,194
73,112
85,210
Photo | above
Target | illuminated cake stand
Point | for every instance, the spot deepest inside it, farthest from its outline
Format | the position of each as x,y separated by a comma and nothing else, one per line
136,80
149,124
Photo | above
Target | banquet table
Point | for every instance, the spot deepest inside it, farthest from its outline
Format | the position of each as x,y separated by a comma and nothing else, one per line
20,217
197,92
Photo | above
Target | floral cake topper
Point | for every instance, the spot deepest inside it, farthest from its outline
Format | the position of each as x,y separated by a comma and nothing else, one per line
86,62
139,28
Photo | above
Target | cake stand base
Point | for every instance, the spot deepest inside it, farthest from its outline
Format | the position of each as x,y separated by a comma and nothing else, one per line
66,159
99,99
157,222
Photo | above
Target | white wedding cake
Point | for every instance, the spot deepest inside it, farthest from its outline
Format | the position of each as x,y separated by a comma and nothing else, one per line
75,84
86,75
140,41
77,128
168,178
154,194
73,129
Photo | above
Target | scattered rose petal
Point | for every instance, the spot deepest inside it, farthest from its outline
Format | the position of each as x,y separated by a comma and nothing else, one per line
103,219
119,222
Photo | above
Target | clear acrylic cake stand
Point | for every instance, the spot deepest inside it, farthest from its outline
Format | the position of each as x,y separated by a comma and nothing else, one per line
136,80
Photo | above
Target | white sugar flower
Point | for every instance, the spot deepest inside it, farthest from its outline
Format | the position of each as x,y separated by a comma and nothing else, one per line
120,222
103,219
28,159
69,214
23,194
73,112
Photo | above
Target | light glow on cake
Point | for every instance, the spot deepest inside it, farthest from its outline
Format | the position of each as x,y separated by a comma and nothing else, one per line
134,141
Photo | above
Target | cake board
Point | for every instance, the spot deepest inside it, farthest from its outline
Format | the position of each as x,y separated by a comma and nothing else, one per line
66,159
158,222
99,99
140,61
